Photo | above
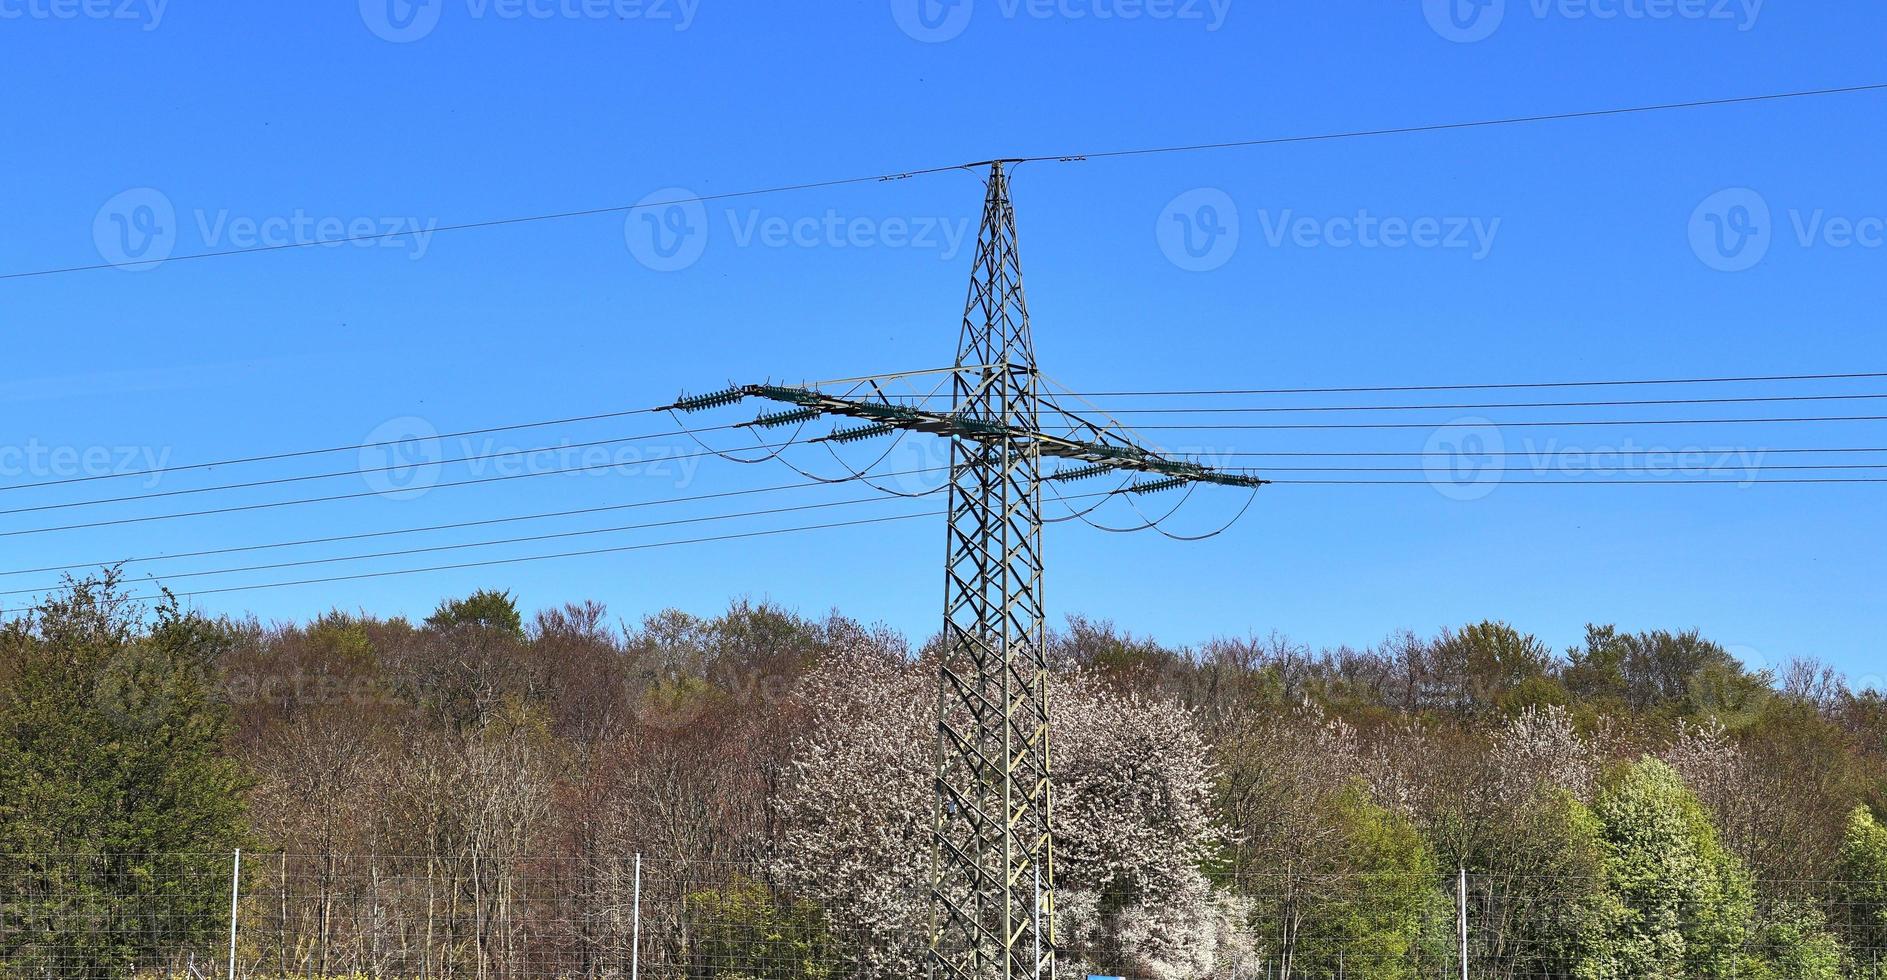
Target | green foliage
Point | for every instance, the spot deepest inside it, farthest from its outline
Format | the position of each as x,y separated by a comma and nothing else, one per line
112,736
486,609
1864,865
1674,902
1793,943
1385,912
743,932
1493,662
1664,671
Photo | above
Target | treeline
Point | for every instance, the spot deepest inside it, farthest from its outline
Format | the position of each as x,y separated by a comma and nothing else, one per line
1641,805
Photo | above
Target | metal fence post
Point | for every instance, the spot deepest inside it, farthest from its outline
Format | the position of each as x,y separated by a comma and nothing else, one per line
235,889
635,925
1461,918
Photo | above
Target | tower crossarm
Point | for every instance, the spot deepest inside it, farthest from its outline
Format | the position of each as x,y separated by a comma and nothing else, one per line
1099,457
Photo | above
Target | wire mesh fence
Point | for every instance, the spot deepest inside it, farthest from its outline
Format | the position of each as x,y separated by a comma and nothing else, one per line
633,916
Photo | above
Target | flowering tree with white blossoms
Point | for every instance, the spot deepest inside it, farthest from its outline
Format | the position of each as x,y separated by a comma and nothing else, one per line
1132,824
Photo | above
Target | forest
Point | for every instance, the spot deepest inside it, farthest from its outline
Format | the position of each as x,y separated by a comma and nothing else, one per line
487,793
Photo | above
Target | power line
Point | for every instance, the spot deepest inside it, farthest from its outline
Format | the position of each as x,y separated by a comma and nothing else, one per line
1497,425
1586,483
457,525
1511,385
363,471
491,223
1050,158
523,539
1560,470
1471,406
530,558
546,423
300,453
270,505
1530,452
1443,127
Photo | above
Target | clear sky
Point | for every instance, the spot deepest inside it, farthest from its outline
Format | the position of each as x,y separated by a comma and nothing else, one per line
1564,251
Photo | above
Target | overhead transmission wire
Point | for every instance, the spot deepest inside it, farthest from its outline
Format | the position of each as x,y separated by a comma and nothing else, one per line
299,501
1473,406
522,539
1482,386
300,453
364,471
865,475
453,526
267,505
528,558
778,448
1533,423
1069,157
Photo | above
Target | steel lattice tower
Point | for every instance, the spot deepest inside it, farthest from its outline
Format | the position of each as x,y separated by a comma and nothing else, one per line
994,867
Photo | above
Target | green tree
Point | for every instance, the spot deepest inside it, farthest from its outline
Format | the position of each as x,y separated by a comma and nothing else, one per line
1793,943
1864,866
1673,901
116,796
1382,911
744,932
487,609
1491,665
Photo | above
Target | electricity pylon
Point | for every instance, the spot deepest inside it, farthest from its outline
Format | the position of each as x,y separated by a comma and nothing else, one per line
992,848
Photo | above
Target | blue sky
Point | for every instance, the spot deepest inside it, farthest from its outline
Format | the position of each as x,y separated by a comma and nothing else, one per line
1568,250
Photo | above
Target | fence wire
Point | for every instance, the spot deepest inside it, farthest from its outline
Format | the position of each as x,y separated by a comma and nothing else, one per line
608,916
